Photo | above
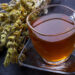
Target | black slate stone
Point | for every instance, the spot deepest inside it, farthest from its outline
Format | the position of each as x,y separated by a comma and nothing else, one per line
15,69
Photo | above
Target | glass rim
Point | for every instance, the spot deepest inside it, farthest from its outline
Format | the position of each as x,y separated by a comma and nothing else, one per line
48,6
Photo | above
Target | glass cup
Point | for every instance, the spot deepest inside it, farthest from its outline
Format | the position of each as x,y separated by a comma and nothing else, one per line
52,32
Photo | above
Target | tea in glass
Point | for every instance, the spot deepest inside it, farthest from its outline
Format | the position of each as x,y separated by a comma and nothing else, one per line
53,37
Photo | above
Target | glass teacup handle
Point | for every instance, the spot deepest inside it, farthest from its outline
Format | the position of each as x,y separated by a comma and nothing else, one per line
72,17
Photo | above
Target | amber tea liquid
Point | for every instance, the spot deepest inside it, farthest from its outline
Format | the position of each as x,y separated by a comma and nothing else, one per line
55,45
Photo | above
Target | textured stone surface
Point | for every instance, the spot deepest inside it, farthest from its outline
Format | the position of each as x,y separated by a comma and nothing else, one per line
17,70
